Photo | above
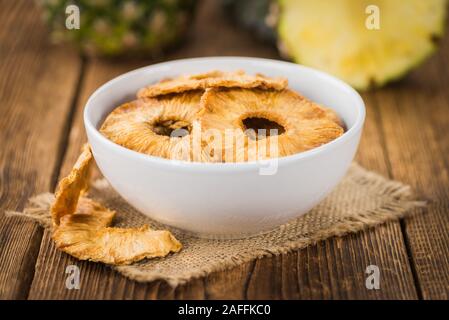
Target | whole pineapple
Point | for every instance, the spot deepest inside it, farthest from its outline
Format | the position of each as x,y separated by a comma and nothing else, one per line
120,27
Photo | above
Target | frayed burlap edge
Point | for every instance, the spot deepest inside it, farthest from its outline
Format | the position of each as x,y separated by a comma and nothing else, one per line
401,205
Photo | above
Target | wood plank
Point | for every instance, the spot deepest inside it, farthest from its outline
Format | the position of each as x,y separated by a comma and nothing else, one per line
415,118
37,85
332,269
335,269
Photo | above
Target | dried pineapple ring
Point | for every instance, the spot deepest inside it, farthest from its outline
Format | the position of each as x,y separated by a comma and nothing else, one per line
212,79
301,124
72,187
86,235
156,126
81,225
332,115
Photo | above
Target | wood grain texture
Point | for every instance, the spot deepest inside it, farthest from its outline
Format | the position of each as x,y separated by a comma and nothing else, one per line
415,118
331,269
335,269
37,85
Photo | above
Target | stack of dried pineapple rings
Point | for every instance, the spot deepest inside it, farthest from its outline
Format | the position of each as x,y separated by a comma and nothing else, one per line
211,117
221,117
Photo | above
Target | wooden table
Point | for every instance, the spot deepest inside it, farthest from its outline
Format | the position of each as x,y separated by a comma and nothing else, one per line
43,89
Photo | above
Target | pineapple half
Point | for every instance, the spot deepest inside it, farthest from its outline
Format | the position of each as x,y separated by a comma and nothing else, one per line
333,36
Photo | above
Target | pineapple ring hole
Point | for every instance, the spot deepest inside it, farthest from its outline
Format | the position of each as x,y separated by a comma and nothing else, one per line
173,128
252,125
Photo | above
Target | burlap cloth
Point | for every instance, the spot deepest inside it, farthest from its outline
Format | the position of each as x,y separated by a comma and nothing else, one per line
363,199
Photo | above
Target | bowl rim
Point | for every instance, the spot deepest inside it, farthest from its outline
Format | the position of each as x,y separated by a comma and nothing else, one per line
233,166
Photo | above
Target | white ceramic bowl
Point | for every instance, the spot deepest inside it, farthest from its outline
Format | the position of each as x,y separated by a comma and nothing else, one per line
226,199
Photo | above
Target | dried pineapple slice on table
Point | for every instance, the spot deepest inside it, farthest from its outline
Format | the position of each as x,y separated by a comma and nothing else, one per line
88,236
73,186
333,36
82,227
